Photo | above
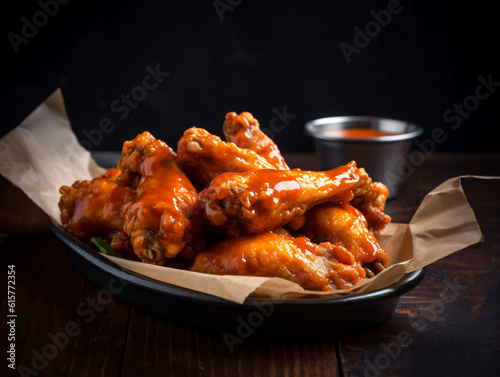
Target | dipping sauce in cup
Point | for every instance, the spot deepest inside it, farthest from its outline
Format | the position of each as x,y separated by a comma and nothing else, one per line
356,132
379,145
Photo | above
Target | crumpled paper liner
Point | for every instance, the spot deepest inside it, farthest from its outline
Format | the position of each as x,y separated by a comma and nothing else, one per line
42,154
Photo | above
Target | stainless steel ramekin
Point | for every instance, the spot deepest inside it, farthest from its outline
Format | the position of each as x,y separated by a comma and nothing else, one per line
383,157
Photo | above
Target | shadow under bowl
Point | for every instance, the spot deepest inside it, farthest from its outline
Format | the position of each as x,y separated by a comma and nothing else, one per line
256,318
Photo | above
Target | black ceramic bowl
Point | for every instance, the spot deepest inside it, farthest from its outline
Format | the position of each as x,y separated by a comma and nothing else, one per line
313,318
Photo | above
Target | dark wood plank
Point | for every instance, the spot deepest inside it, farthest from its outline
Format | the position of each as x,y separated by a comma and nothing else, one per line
445,331
460,339
260,358
156,348
49,292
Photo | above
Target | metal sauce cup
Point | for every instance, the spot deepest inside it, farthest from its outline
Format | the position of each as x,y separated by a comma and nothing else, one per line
381,156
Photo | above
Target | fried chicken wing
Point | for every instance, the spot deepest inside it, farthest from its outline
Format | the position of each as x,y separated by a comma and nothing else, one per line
204,156
315,267
347,227
164,220
244,131
372,205
263,200
93,209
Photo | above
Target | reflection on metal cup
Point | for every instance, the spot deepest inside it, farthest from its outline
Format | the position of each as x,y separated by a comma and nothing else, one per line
379,145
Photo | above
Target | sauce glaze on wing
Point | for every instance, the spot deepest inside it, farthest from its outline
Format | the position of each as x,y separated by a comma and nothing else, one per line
94,209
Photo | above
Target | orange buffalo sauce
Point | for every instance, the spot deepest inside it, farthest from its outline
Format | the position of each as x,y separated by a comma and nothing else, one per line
357,133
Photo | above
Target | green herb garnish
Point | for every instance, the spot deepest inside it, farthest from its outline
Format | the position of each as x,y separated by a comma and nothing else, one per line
105,248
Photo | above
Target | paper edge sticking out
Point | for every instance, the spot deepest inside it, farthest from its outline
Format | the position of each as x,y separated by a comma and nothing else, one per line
448,223
218,286
27,144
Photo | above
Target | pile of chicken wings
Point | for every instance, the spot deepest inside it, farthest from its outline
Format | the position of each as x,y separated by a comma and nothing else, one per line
233,207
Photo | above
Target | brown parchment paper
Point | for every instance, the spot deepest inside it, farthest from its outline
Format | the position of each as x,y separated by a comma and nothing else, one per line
42,154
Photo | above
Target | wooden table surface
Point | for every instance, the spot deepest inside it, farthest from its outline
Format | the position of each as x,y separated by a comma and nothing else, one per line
444,331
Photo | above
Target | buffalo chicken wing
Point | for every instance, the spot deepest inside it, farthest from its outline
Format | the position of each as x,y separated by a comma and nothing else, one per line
347,227
164,220
260,201
93,209
315,267
372,205
204,156
244,131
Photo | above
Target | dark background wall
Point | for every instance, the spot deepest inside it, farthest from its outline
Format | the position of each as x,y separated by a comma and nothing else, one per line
259,56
